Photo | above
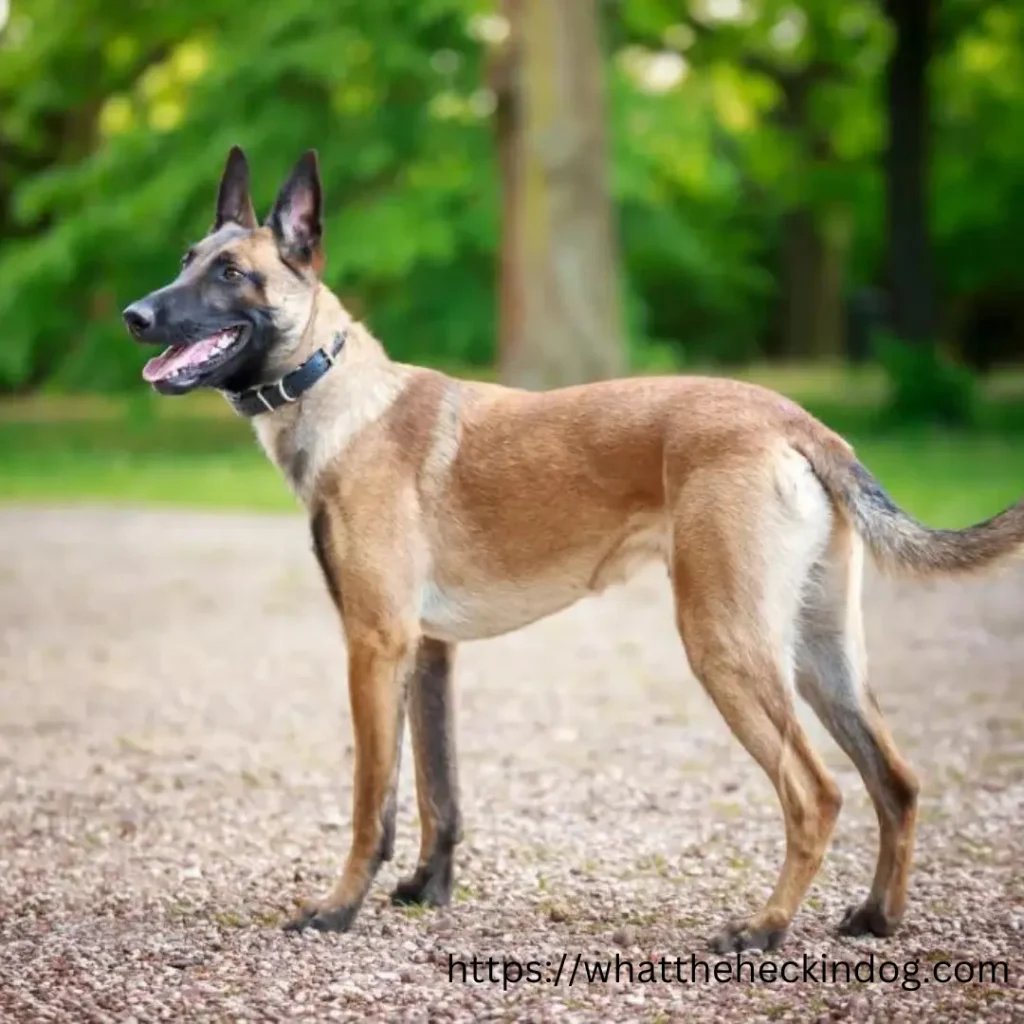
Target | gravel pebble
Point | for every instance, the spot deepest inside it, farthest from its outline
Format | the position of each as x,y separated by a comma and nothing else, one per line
175,776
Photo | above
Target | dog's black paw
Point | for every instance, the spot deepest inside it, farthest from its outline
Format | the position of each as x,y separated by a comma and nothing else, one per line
299,922
336,919
866,919
743,934
426,886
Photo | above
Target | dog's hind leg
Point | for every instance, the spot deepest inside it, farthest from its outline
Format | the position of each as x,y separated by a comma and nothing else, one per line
431,716
744,537
831,676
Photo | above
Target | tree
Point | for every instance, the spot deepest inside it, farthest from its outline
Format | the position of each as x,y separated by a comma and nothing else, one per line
560,318
977,88
815,235
504,78
909,254
145,107
747,144
795,107
925,385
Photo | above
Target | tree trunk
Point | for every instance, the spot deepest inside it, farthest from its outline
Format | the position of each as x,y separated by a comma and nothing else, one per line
815,239
563,255
505,79
909,266
814,250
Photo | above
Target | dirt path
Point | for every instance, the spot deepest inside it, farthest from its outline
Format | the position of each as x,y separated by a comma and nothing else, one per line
175,759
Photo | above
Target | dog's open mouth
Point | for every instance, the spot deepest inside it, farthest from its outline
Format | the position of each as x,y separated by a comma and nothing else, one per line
190,361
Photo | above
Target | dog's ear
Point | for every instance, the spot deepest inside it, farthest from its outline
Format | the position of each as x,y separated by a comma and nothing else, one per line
233,203
295,218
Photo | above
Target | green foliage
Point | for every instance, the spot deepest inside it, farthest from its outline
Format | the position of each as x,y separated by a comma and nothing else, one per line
386,92
682,225
115,119
925,385
978,193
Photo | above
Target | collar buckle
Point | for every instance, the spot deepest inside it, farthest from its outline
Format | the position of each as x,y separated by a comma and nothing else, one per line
254,401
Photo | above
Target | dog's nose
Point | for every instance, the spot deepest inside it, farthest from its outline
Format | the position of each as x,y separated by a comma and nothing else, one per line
138,318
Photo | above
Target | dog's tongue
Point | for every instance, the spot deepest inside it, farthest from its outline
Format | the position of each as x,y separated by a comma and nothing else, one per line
179,357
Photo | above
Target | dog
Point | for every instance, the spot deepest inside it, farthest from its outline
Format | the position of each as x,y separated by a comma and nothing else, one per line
444,510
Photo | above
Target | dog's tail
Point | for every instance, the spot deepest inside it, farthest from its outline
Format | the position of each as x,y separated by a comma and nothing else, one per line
898,543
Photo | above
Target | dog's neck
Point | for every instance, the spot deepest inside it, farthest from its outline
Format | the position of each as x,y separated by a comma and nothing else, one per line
305,436
328,317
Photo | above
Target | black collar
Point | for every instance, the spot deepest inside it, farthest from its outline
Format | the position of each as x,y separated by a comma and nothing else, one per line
268,397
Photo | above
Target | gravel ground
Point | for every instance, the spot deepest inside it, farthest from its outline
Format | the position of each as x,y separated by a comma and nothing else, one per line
175,758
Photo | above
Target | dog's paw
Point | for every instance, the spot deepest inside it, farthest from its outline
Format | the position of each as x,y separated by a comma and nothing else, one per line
748,933
323,919
866,919
424,887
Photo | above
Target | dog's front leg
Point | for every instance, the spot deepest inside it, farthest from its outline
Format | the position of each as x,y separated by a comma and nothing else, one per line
378,667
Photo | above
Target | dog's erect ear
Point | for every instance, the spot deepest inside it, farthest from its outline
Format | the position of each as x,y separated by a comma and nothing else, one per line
233,203
295,218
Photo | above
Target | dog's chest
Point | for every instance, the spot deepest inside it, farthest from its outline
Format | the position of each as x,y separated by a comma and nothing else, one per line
301,442
281,445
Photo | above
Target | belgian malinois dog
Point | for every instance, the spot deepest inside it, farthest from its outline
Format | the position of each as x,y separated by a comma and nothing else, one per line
444,510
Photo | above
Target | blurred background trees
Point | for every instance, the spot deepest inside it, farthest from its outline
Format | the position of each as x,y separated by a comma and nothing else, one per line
787,180
559,320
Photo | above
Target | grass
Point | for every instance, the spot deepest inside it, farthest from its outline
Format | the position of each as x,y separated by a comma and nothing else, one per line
206,462
195,453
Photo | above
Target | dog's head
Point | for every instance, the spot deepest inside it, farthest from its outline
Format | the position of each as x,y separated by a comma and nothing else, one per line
238,311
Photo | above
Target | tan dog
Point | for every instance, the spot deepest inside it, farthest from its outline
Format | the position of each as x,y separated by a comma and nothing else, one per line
444,510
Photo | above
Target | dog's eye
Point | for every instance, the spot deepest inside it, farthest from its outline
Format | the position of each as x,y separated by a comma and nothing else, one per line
230,273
